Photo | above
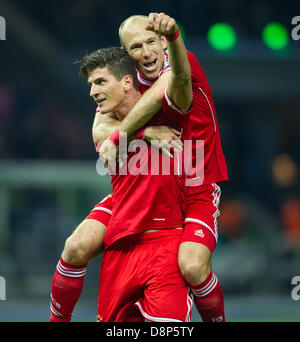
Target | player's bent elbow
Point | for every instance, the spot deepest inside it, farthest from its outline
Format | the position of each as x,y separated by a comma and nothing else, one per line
181,91
183,76
183,79
157,95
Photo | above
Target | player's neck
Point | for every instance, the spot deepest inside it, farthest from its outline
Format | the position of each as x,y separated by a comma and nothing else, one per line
127,105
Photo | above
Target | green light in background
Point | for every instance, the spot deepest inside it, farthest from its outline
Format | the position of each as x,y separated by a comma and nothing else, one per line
275,36
221,36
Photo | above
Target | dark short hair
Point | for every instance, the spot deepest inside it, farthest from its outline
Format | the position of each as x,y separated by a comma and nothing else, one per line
116,59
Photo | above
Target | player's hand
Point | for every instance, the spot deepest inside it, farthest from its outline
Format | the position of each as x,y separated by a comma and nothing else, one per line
165,138
108,152
161,23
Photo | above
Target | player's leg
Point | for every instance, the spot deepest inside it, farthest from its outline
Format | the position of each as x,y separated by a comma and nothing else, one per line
195,252
194,260
80,248
85,243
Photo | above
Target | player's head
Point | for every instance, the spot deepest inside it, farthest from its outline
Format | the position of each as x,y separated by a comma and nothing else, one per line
111,75
145,47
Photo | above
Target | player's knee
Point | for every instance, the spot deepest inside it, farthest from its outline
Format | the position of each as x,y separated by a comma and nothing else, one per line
74,251
194,270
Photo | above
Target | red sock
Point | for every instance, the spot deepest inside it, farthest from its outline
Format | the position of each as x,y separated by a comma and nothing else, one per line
209,299
66,288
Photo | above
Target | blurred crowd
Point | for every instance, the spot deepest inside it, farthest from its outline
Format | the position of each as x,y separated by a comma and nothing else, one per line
39,124
85,20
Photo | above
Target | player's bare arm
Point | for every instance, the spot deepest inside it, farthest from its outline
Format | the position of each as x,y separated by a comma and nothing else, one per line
162,137
147,106
180,83
103,126
165,138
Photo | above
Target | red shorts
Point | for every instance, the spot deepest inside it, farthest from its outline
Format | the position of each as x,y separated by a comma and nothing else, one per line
140,279
102,211
201,215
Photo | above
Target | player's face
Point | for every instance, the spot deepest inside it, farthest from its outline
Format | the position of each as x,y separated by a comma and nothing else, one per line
106,90
145,48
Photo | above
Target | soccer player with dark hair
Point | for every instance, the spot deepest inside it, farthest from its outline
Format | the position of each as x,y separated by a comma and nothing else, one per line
140,290
139,275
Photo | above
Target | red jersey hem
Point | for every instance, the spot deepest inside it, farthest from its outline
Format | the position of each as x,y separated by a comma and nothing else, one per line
135,234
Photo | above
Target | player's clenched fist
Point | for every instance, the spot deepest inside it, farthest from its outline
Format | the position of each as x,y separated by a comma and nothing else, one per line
162,24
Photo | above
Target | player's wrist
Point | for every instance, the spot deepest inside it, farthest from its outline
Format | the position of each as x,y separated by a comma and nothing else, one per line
173,36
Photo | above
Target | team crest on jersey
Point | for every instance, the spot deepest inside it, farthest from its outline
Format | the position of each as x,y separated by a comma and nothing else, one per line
199,232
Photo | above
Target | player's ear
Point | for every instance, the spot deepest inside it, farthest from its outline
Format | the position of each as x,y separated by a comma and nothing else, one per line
127,82
163,41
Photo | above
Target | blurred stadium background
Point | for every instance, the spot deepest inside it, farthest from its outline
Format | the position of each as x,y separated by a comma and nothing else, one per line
48,179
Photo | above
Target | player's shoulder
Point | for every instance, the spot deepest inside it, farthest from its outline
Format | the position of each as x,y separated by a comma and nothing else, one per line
190,53
198,74
193,59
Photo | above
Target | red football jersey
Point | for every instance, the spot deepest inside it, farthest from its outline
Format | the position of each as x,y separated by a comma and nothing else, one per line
149,188
203,124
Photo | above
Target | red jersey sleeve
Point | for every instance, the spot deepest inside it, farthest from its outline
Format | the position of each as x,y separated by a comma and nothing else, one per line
198,75
169,106
102,211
